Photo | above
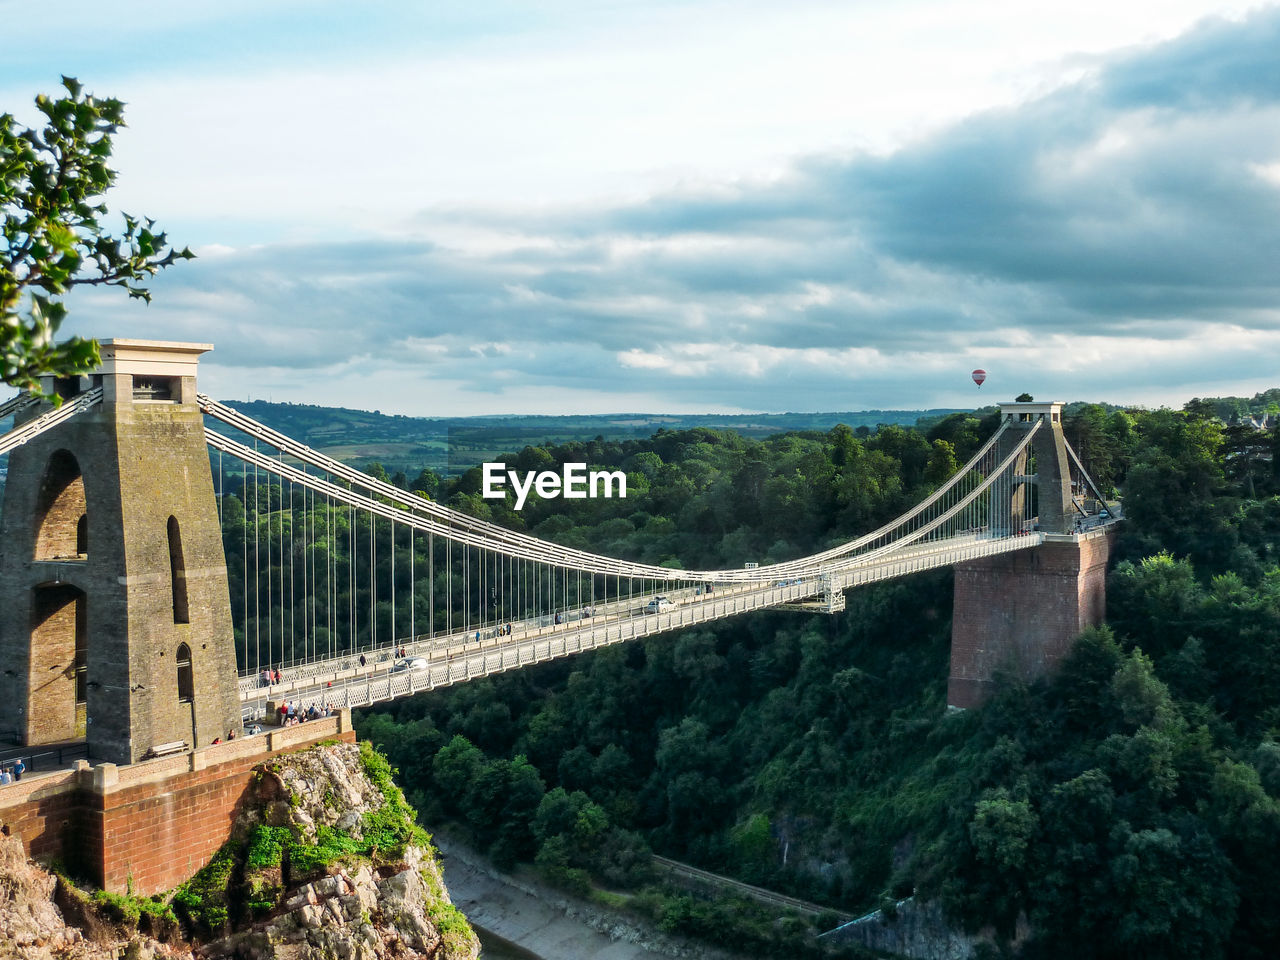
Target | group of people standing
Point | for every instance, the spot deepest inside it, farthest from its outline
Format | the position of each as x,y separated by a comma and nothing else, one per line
12,773
292,714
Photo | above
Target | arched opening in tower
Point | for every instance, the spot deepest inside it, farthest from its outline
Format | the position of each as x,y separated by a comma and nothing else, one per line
177,574
59,687
186,681
61,520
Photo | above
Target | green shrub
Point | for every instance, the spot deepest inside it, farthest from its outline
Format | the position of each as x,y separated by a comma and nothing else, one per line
329,846
124,908
266,847
455,932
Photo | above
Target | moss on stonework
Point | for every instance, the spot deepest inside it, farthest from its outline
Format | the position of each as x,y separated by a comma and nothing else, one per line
455,931
124,908
265,847
330,846
264,867
153,915
390,828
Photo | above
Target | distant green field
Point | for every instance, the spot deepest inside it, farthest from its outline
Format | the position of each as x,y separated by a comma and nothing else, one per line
396,452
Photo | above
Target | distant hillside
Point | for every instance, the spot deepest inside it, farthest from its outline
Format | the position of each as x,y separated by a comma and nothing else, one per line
455,444
452,445
1234,409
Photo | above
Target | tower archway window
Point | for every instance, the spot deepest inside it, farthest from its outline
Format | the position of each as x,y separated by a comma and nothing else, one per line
60,509
67,387
186,682
57,663
177,574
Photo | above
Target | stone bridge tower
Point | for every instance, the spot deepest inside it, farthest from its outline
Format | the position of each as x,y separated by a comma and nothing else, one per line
1019,612
115,622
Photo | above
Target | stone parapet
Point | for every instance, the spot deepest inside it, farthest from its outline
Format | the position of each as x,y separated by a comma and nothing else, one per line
40,785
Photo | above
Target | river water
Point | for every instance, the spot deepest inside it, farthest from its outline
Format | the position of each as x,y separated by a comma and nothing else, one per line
516,919
494,947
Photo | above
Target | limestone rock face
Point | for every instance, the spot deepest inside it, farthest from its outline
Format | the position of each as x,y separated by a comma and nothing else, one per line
33,928
369,904
378,907
30,925
327,787
352,914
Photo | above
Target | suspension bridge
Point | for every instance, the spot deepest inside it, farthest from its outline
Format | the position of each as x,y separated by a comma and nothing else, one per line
127,504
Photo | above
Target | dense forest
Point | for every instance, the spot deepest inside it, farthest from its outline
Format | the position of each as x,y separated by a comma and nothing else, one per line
1232,410
1129,806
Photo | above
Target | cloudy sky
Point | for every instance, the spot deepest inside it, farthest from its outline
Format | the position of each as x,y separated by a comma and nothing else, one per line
622,205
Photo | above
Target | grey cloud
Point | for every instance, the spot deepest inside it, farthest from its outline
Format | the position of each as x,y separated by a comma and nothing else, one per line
1129,204
1191,72
1037,194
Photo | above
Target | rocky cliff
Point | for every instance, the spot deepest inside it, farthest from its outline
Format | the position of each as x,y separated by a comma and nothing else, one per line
324,862
33,927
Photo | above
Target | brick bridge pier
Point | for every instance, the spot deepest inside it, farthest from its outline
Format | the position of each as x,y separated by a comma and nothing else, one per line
1019,612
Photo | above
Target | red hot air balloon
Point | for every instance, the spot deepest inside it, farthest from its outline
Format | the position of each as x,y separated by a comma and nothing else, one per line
979,376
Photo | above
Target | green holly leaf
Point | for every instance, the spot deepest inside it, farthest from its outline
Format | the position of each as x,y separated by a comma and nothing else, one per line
52,237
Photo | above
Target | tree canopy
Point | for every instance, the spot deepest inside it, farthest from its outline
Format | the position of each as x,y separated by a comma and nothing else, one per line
1129,806
51,185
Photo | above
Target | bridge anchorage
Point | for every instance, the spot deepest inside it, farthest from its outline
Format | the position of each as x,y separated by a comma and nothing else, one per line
122,629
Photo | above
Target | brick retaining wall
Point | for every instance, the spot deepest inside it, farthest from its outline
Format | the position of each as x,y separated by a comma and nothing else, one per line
147,826
43,810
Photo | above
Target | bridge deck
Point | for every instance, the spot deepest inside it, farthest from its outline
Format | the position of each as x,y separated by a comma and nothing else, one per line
342,682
